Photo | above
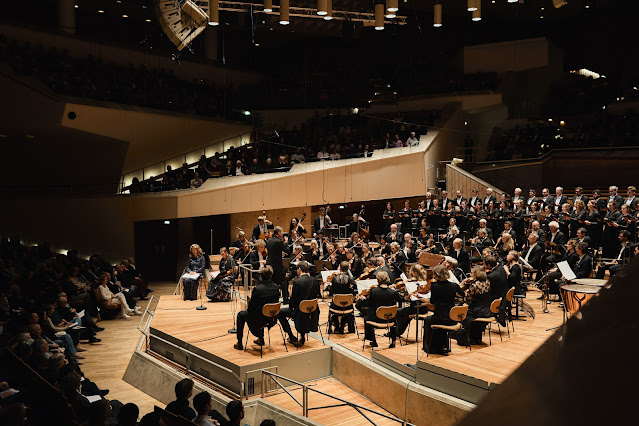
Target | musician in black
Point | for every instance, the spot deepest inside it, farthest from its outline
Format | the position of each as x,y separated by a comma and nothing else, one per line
388,217
342,283
262,228
625,252
219,287
554,245
296,226
610,230
264,293
405,215
443,294
632,201
393,235
460,254
531,197
554,275
397,260
533,252
305,287
489,197
409,248
355,265
356,224
382,267
241,240
195,268
477,295
354,240
498,286
614,197
380,296
322,221
276,249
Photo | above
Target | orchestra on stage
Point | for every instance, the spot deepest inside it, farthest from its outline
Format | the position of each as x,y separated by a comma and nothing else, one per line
454,263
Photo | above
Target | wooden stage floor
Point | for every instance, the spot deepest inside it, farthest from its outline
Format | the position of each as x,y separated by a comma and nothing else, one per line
208,330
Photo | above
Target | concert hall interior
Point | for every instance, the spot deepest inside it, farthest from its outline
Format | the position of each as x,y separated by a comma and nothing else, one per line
340,212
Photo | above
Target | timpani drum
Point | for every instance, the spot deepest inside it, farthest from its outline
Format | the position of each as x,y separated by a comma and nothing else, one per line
590,281
577,295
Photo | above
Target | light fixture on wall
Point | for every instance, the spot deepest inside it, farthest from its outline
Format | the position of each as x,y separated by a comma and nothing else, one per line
284,15
379,16
437,18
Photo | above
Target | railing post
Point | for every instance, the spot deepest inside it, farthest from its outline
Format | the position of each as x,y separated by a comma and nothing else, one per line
305,401
263,383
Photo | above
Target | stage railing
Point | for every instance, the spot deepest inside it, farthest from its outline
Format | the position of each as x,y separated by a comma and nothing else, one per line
146,318
305,402
188,371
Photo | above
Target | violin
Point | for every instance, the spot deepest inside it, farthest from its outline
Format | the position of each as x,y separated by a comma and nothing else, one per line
367,292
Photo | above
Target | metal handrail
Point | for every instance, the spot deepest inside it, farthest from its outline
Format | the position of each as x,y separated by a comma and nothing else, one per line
144,330
305,406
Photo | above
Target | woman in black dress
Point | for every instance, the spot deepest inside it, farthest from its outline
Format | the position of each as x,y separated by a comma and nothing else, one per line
442,295
296,226
477,295
592,220
195,267
388,217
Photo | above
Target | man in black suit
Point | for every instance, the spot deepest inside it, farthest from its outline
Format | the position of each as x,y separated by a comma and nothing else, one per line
556,242
305,287
263,227
559,199
489,197
444,199
632,201
546,199
357,224
459,199
393,235
398,260
517,196
322,221
614,196
257,258
460,254
380,296
531,198
473,200
409,249
626,251
276,248
532,254
381,266
498,285
264,293
579,196
583,237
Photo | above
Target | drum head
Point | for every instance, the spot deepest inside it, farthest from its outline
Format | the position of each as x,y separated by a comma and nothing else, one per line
579,288
590,281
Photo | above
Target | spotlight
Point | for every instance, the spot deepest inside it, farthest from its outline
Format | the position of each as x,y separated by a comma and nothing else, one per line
329,10
284,13
321,7
214,13
437,18
379,17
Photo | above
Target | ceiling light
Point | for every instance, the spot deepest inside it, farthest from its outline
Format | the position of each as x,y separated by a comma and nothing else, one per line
512,1
76,6
472,5
437,18
147,20
477,13
391,5
391,15
329,10
214,13
321,7
268,5
100,11
284,15
379,17
125,16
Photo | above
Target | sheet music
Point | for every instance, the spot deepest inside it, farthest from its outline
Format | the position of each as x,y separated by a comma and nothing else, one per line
411,286
365,284
93,398
214,274
420,297
189,276
564,267
404,277
325,274
81,313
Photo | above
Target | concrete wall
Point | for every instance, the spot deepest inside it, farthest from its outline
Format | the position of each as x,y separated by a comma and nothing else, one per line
153,136
506,56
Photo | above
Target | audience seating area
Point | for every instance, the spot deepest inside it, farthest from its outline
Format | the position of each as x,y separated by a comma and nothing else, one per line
329,136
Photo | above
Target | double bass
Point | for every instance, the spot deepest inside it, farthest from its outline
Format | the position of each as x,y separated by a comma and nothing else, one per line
269,233
364,233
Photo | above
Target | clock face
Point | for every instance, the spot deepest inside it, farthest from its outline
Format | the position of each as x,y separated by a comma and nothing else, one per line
182,20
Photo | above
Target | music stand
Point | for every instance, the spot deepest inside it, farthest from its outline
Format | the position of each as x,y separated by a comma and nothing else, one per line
429,259
331,233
